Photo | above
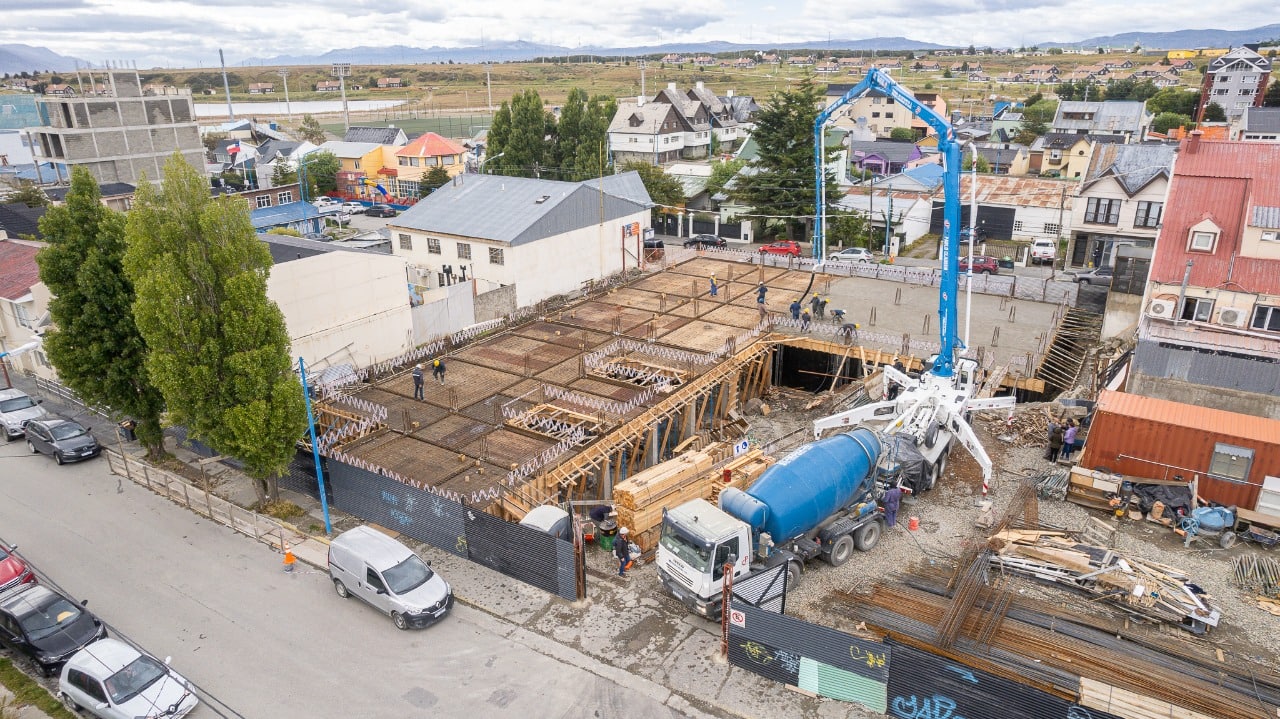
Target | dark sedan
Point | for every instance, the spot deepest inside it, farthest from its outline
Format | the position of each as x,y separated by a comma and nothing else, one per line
380,211
66,440
45,626
705,242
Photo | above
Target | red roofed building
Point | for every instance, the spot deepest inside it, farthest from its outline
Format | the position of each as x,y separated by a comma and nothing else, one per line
24,303
418,158
1210,328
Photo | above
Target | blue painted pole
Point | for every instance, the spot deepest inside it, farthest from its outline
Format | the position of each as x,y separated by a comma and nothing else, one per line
315,447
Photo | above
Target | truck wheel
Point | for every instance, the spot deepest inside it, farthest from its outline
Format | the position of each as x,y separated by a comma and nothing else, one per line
932,479
840,551
931,435
793,575
867,536
942,462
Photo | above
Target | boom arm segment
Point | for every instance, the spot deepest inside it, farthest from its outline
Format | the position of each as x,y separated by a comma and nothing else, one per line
880,81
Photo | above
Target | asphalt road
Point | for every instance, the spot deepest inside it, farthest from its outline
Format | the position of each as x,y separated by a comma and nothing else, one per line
271,644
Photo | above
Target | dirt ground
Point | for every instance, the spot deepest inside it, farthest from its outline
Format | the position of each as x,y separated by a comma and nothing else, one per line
946,525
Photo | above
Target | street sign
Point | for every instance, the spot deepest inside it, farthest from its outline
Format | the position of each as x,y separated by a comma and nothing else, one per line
741,446
738,618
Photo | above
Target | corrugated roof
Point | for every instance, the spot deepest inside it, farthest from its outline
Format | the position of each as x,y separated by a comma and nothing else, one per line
1261,119
349,150
430,145
1017,191
1219,181
518,210
889,150
1266,217
18,269
16,219
376,135
1179,414
1133,166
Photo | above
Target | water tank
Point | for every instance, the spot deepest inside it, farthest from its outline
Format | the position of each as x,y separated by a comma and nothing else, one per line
796,494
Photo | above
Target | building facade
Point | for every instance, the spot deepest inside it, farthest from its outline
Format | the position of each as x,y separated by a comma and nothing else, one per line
121,134
1235,81
1120,202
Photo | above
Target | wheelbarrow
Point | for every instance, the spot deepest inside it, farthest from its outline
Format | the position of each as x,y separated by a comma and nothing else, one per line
1258,535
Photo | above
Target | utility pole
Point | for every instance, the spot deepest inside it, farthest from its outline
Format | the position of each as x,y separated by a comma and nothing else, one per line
488,84
284,77
226,86
341,70
642,67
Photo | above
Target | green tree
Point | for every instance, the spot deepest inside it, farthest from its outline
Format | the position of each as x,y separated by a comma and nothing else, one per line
946,74
219,349
1272,98
321,169
848,229
29,194
721,172
902,134
783,183
663,189
1035,121
1166,121
499,134
966,163
435,178
310,130
283,174
1213,112
569,134
592,157
1174,99
94,343
210,142
523,142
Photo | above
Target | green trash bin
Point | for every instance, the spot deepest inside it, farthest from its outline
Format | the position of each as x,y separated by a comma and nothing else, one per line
606,542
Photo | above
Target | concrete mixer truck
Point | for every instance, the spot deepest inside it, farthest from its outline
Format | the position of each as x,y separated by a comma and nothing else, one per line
818,502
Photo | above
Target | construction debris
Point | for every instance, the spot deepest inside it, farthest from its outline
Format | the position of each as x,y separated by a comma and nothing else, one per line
1051,484
1147,590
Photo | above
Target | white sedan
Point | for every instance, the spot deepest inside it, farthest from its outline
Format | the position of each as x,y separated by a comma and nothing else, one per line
852,254
112,680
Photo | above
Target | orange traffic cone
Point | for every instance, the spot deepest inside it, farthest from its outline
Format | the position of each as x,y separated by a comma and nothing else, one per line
289,559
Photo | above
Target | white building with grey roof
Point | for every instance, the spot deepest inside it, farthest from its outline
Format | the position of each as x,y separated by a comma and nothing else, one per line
545,237
1126,118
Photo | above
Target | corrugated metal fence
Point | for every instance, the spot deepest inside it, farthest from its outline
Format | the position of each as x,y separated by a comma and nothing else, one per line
886,677
517,551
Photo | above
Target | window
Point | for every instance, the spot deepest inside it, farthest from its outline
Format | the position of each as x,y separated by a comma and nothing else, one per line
263,201
1249,78
724,552
406,241
1148,214
1102,211
1221,91
356,164
407,188
1271,235
875,114
1266,318
1231,462
464,251
495,256
1197,309
449,160
86,684
1202,241
433,246
403,161
1017,225
373,580
284,198
1052,228
888,114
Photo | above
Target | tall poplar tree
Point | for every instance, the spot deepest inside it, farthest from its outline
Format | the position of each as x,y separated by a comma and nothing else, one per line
219,349
94,343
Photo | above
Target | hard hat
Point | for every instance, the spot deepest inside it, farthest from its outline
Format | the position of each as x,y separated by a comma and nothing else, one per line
419,366
622,531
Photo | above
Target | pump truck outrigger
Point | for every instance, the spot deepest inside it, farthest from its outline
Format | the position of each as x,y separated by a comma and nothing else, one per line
822,499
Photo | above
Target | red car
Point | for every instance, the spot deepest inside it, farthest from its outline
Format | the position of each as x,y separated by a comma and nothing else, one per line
13,571
781,247
982,265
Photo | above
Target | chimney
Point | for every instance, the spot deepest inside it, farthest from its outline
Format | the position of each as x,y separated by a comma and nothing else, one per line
639,100
1193,141
671,86
730,93
699,84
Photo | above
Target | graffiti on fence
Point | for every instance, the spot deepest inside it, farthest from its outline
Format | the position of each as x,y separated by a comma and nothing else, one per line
914,707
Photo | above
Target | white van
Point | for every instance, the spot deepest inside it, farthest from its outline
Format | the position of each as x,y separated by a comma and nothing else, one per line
1043,251
383,572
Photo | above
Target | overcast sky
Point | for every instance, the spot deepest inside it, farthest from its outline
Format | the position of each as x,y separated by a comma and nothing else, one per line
178,33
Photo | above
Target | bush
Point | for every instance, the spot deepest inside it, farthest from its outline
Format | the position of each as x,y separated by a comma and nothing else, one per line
283,510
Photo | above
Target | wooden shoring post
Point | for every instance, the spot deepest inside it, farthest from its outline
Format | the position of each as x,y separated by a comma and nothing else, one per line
617,469
666,434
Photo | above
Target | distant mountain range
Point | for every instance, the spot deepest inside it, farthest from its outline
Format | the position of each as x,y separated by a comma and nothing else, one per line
1177,40
17,58
25,58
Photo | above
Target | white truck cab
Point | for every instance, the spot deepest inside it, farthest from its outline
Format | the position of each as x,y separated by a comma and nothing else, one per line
698,538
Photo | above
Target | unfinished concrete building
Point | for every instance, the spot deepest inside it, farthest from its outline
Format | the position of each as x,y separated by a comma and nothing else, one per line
566,403
110,126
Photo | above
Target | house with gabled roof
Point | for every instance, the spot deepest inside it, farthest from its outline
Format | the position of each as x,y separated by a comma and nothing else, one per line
674,58
1209,334
515,231
426,152
1235,81
704,61
644,131
389,82
24,299
882,157
391,135
262,88
1125,118
744,63
1119,202
695,121
724,125
1257,124
328,86
1064,154
800,60
826,68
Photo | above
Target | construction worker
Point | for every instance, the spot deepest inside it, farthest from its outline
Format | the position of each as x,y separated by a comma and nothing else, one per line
795,310
622,550
437,370
714,287
417,382
805,318
814,302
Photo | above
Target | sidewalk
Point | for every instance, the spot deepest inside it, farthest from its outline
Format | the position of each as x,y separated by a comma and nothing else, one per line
625,631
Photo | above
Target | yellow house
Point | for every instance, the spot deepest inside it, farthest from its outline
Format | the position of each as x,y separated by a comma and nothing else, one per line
1064,155
419,157
358,161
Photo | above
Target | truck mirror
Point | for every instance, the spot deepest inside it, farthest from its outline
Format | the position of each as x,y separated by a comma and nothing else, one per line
733,559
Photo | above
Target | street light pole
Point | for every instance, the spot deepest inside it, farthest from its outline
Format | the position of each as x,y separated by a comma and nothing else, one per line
284,77
341,70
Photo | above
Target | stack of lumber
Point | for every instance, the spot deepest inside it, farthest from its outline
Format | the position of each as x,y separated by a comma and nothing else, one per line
1146,589
640,499
1092,489
742,470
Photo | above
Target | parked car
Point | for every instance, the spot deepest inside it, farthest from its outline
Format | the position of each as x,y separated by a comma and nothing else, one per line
353,208
1043,251
982,265
1096,276
325,201
703,242
781,247
383,572
112,680
381,211
66,440
46,626
16,409
852,254
13,571
653,243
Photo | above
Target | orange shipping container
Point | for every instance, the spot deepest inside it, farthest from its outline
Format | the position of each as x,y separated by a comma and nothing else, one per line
1145,437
